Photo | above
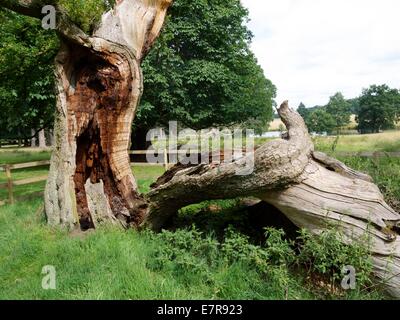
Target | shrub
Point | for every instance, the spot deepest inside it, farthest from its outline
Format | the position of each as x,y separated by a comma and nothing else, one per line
185,252
197,258
327,254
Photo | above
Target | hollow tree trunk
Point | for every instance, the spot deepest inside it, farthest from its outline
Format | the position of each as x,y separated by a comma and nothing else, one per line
313,190
99,84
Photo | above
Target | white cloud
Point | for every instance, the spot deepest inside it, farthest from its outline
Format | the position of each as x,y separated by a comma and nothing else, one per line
311,49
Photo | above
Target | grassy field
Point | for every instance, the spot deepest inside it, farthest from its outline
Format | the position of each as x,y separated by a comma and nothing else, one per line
383,142
13,155
185,264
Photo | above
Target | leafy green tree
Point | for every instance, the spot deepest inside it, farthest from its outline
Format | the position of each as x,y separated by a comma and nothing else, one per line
339,108
320,121
27,98
201,71
303,111
354,105
379,108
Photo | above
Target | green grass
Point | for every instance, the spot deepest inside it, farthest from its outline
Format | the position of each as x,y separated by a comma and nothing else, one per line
8,156
113,264
108,264
146,175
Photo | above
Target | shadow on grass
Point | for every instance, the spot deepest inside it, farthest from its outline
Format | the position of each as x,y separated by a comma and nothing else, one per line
248,216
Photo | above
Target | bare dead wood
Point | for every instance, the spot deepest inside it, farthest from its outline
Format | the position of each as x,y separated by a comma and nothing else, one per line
313,190
276,164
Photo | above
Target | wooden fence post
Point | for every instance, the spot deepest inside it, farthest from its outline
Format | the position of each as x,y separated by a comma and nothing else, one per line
166,159
10,184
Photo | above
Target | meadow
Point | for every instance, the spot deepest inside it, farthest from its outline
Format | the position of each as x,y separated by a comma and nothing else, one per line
212,250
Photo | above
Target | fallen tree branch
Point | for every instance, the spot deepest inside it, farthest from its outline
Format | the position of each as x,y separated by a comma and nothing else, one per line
313,190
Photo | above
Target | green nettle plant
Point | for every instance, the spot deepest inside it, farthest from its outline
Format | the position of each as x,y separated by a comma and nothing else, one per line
191,253
327,254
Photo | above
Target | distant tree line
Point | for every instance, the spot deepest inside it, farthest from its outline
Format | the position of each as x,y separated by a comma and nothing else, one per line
376,109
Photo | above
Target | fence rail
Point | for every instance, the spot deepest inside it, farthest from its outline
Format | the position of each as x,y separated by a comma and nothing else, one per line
9,185
369,154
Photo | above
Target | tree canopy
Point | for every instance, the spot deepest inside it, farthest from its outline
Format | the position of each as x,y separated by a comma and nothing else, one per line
27,52
339,108
202,72
303,111
320,121
317,119
85,13
379,108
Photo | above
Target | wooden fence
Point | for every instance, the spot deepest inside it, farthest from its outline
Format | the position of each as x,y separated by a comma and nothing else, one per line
369,154
10,184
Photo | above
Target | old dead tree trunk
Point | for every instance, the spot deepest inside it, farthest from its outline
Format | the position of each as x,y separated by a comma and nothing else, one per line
99,84
313,190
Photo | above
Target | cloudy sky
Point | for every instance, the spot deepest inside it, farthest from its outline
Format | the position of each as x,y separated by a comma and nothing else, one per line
311,49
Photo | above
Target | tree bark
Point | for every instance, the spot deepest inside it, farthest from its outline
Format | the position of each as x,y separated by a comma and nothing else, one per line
313,190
